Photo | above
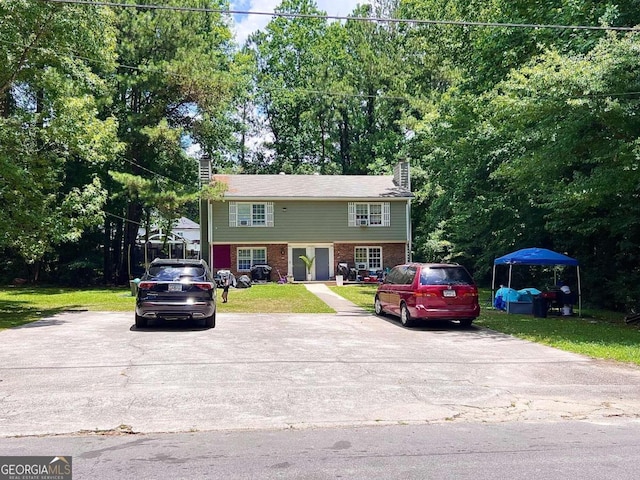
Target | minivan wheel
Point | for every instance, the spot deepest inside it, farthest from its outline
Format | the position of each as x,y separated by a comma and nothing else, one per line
405,316
141,322
378,306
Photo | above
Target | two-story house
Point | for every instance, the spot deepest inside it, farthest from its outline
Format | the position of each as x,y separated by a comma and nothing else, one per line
274,219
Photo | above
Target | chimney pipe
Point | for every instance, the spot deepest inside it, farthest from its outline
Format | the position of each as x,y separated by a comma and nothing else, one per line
401,176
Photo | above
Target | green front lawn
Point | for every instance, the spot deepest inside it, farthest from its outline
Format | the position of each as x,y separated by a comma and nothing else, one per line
272,298
20,305
362,295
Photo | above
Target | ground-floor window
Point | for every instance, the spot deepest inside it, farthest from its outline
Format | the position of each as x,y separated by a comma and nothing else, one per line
248,257
368,258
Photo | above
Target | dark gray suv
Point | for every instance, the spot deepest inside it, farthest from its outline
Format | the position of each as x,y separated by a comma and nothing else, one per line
173,289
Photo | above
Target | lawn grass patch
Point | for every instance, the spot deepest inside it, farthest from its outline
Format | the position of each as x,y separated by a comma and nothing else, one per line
360,294
273,298
20,305
594,335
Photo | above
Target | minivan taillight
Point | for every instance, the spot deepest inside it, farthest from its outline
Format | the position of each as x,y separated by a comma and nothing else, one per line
420,293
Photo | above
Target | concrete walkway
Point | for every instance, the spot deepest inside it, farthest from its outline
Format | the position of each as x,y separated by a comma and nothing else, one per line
335,301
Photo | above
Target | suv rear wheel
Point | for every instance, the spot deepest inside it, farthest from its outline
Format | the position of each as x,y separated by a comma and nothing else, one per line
210,322
140,322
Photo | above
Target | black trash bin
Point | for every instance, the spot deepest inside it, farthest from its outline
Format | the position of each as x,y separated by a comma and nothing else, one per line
540,306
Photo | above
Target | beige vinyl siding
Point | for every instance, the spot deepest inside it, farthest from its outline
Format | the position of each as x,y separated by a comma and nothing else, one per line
310,221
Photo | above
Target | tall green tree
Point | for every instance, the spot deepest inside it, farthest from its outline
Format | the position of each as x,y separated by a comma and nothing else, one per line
333,94
371,128
525,149
174,81
287,57
486,54
455,149
574,120
52,138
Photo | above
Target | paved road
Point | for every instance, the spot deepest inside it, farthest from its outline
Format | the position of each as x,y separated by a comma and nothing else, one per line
460,451
87,371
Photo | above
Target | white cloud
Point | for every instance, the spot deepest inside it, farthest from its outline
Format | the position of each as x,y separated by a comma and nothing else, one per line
245,25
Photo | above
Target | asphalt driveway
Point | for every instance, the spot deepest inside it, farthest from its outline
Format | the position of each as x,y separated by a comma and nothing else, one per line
87,371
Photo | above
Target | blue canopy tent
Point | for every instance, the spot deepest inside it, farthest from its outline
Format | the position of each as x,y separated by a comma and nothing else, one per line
537,256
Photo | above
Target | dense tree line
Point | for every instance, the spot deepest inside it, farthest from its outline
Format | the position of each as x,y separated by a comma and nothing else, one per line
96,106
517,136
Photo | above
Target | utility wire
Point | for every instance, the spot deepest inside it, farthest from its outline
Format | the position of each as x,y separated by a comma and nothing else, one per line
463,23
122,218
157,174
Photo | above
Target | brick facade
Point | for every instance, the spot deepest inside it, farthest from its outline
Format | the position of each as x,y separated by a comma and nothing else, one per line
392,253
277,256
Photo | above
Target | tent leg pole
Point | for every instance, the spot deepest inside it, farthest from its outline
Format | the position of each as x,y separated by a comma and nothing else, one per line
510,269
579,294
493,286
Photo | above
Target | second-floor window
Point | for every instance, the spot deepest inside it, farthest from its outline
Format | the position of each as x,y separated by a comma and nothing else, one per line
369,214
246,214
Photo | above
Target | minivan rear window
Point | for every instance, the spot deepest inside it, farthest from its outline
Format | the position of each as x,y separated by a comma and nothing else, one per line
445,276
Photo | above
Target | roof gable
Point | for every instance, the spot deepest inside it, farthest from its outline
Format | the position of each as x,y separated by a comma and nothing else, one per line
183,223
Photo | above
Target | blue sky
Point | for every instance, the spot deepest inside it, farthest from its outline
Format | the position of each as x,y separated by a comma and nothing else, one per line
247,24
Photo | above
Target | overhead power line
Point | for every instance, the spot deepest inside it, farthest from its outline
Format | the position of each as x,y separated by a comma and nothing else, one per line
413,21
122,218
157,174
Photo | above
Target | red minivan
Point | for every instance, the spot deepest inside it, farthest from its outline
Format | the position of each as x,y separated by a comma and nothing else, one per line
429,291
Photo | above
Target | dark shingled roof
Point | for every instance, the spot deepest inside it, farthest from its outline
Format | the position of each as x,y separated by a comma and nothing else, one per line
325,187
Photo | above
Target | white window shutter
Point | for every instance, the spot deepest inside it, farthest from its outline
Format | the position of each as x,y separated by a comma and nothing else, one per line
269,213
233,214
352,214
386,214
